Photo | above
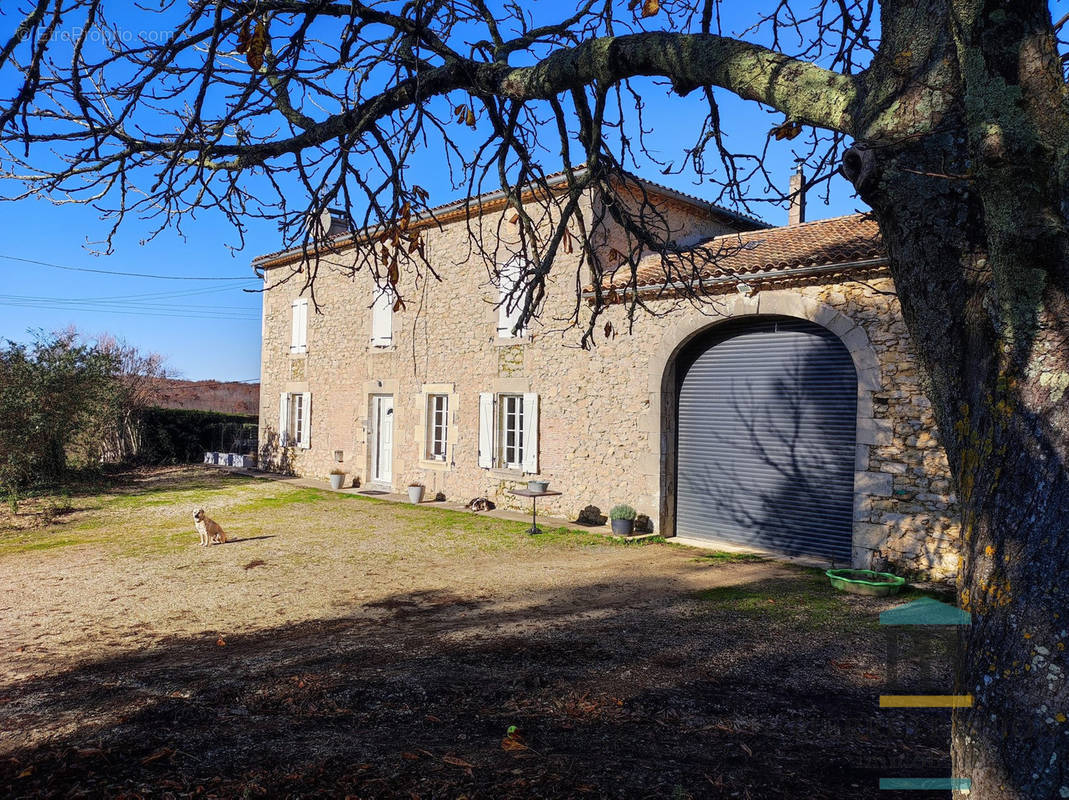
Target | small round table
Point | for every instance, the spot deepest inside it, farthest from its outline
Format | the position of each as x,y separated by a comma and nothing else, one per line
534,505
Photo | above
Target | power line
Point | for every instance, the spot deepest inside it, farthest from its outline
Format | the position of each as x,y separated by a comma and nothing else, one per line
170,294
107,302
143,310
124,274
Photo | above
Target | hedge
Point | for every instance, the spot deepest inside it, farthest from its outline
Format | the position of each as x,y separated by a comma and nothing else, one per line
180,436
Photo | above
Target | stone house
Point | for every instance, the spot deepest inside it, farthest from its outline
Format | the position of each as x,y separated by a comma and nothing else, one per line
786,415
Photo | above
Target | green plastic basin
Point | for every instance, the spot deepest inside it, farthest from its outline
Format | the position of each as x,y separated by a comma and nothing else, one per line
865,581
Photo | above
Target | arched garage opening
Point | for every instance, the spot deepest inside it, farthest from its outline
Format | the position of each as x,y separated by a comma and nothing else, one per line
766,418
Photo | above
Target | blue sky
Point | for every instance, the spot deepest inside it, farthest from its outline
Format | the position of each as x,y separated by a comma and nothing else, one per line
211,328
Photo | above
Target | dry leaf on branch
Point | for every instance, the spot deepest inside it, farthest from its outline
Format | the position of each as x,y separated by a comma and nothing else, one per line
257,46
244,36
788,130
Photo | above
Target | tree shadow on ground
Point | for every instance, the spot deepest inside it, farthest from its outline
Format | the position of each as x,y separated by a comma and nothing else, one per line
765,689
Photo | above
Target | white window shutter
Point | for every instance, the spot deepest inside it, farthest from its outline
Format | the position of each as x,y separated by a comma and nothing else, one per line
306,421
299,327
486,430
509,310
283,419
530,433
302,332
295,329
382,319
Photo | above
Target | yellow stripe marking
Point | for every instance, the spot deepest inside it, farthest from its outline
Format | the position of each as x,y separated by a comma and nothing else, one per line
925,701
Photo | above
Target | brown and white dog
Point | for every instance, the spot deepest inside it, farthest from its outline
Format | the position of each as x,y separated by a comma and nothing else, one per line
209,530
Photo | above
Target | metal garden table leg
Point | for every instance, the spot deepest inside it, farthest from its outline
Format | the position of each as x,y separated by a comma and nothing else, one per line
534,517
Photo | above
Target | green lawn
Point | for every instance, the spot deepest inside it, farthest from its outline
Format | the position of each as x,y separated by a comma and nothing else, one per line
159,504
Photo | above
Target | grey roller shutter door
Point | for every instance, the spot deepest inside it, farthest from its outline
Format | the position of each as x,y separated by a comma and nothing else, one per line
767,426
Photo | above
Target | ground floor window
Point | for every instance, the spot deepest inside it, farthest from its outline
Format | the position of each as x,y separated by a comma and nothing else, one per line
437,426
294,419
508,431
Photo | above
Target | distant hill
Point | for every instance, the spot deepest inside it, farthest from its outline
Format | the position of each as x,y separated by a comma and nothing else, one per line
227,397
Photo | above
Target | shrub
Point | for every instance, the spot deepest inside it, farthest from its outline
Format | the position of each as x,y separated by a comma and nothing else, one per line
622,511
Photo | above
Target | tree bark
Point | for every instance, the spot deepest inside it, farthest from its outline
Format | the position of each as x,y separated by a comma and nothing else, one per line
972,208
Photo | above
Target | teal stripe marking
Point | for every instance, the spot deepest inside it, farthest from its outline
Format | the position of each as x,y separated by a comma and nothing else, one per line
938,784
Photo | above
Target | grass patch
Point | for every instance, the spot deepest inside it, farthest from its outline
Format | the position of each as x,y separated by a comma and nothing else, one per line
467,530
287,498
163,497
648,540
805,599
569,536
156,542
43,541
146,514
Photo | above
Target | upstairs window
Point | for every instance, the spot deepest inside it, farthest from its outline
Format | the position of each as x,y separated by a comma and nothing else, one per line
299,326
382,318
437,426
509,305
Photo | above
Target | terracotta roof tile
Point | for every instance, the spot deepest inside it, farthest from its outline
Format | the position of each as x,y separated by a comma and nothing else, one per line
839,240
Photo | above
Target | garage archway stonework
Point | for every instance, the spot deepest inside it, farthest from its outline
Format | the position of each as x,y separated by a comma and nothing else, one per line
660,420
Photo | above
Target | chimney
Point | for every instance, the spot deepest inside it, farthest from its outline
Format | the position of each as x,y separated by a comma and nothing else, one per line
796,213
327,224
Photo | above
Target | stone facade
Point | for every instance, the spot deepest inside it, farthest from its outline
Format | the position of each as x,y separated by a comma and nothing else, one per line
605,415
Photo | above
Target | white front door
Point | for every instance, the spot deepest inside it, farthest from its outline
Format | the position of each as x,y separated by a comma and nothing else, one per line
382,438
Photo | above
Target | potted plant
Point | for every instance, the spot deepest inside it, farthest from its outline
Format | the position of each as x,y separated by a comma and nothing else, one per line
623,519
415,492
337,478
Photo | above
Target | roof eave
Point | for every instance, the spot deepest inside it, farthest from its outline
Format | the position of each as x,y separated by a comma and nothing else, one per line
800,271
489,199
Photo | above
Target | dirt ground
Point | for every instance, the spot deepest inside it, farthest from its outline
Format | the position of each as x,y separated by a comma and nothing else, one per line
340,646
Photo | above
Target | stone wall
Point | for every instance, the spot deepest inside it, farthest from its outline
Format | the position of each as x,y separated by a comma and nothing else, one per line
601,434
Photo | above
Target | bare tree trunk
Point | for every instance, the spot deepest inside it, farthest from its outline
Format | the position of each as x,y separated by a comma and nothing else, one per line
1003,417
968,175
980,257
